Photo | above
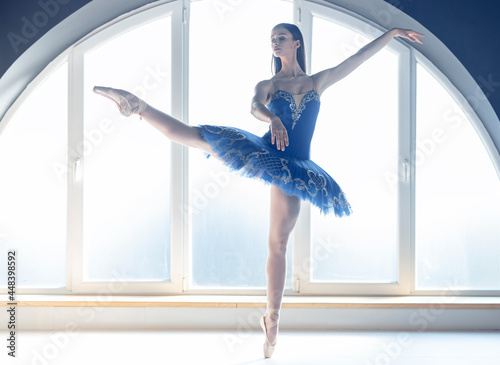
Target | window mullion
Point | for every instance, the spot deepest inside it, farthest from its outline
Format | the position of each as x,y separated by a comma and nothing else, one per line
301,242
79,87
75,167
178,176
413,137
406,111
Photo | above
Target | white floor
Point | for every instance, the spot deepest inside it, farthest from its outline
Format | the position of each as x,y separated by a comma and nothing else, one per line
189,347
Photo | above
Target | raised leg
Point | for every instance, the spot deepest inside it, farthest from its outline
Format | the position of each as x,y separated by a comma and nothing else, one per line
284,213
174,129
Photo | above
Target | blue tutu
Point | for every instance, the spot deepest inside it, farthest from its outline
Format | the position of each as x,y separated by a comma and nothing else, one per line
290,170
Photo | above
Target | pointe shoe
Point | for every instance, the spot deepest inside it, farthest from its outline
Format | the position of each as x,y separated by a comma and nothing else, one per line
123,100
268,346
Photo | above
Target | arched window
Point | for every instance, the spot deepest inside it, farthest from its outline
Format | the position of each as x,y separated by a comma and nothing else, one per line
357,140
103,198
457,198
33,193
228,214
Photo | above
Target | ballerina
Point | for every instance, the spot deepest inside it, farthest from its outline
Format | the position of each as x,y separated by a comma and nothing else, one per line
289,102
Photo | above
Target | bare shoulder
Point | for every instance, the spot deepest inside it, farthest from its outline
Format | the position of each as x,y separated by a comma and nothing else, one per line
265,85
263,91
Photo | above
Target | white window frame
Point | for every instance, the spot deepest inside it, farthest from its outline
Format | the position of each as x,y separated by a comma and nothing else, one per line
302,277
39,80
488,144
75,281
180,260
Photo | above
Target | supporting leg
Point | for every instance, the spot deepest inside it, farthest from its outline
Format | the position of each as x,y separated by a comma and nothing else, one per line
284,213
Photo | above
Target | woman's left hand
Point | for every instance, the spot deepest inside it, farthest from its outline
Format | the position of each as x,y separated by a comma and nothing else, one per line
409,34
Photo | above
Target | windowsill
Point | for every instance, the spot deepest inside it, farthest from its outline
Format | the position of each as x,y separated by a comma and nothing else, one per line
241,301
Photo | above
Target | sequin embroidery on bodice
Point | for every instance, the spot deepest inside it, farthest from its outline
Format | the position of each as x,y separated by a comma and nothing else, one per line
298,119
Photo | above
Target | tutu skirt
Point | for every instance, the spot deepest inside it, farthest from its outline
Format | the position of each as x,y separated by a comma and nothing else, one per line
254,157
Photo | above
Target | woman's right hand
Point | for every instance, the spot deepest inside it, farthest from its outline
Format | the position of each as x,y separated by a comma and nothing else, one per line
408,34
279,134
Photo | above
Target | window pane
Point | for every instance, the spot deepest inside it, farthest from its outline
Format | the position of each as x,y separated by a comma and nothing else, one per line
127,162
356,141
229,214
33,165
457,196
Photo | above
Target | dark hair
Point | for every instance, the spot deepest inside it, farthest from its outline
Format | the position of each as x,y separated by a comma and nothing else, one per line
301,54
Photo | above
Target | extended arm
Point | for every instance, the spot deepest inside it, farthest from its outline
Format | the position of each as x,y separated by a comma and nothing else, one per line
328,77
259,111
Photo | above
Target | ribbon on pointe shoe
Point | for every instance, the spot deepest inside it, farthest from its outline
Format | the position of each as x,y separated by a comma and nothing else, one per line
268,346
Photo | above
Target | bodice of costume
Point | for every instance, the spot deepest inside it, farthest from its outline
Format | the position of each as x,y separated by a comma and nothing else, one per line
291,170
298,113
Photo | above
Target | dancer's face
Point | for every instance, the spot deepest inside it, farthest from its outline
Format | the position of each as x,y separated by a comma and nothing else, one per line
282,42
